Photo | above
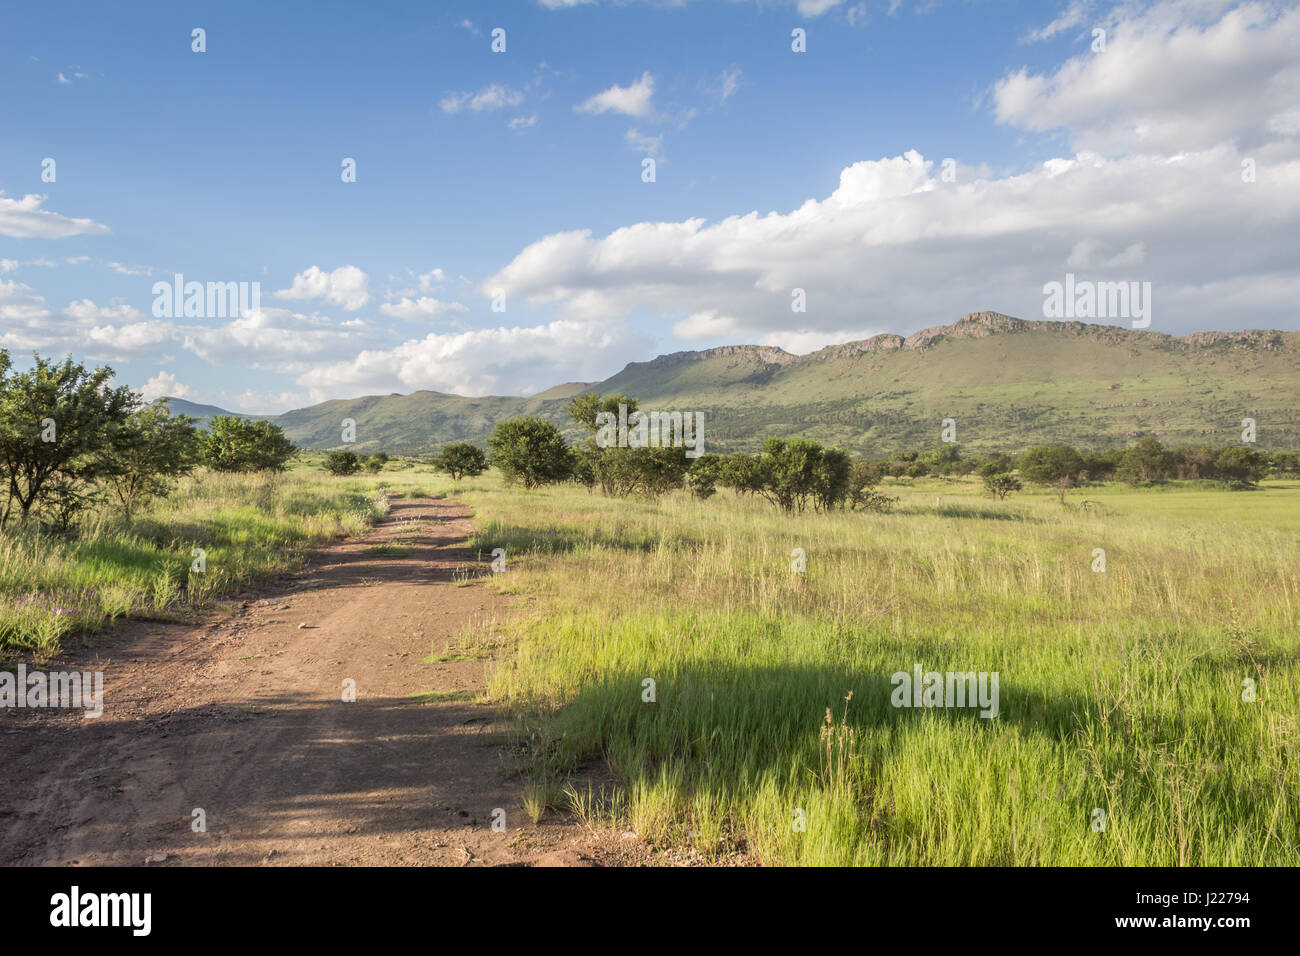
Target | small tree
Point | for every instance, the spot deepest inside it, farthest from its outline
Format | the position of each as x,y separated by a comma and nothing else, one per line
342,463
702,476
374,465
863,478
1001,484
235,444
1057,465
147,453
790,472
56,421
530,451
461,459
834,477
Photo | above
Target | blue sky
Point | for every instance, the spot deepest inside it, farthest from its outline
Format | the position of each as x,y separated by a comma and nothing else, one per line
522,171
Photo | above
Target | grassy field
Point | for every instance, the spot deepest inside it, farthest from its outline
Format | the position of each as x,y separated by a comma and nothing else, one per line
772,731
248,526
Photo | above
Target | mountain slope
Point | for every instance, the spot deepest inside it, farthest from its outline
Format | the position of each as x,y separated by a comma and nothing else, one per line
1007,383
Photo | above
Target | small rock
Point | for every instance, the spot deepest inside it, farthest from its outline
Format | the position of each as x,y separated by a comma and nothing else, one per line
155,858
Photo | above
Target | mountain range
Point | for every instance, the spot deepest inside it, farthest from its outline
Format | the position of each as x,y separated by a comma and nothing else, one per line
1006,383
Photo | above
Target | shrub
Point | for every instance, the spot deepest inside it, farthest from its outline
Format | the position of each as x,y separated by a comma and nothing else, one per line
342,463
236,444
702,476
530,451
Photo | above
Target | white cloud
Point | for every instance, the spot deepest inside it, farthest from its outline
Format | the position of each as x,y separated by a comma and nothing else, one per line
423,308
25,219
164,385
815,8
130,270
111,332
493,97
895,248
344,287
523,122
279,339
481,361
633,100
85,310
8,265
432,280
1182,75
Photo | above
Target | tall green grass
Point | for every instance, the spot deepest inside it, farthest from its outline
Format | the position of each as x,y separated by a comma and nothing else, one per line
1120,691
250,527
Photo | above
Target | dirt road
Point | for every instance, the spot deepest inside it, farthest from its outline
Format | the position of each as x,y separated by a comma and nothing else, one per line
242,718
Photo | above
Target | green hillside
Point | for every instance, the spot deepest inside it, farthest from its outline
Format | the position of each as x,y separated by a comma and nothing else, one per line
1007,383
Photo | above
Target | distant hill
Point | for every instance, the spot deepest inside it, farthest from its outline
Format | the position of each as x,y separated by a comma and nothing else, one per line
204,413
1008,383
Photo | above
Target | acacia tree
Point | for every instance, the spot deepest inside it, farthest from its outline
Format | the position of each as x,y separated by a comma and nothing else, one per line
148,452
612,468
461,458
56,420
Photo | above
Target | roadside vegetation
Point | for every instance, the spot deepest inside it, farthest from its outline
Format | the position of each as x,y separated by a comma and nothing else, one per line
113,509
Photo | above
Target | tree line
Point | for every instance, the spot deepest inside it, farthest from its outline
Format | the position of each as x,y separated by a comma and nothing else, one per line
70,439
797,474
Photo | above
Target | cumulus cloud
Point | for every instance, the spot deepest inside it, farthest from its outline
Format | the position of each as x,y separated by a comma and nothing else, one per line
896,248
164,385
25,219
481,361
110,332
1182,75
632,100
424,307
346,287
278,339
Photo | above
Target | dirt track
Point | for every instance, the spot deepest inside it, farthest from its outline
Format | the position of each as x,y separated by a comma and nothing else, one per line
242,716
